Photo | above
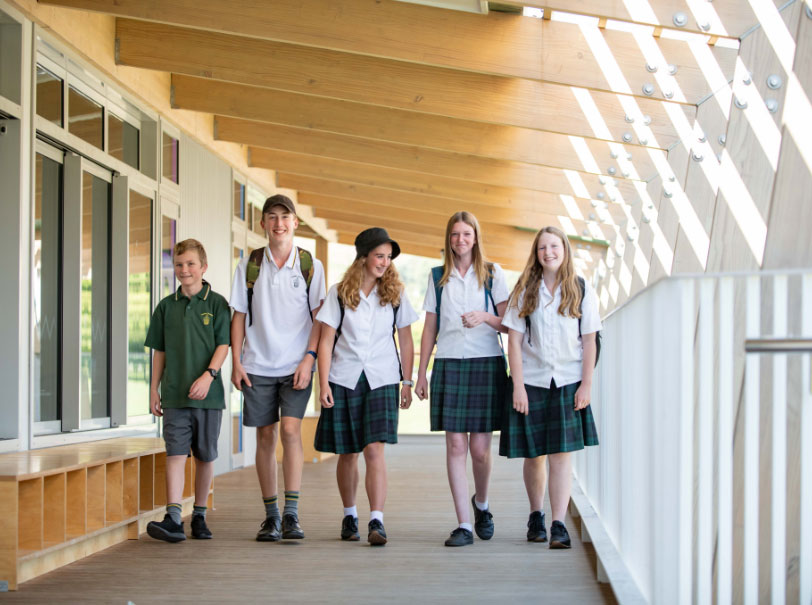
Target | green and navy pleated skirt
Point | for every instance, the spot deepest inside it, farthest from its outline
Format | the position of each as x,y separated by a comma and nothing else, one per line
359,416
468,395
552,427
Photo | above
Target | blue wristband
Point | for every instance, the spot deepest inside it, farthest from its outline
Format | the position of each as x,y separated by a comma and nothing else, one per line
313,353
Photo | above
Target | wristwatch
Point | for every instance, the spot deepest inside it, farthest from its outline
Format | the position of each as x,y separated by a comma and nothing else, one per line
313,353
214,373
407,383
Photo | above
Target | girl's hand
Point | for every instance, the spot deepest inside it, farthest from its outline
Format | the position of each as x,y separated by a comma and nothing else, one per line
473,318
326,396
405,397
520,403
582,396
421,389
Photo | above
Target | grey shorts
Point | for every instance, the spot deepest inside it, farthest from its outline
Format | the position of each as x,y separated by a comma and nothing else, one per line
192,429
268,398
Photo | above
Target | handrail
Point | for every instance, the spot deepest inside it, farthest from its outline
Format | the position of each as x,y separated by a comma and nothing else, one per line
778,345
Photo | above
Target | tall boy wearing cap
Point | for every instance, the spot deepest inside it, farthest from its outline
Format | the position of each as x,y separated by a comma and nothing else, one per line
274,338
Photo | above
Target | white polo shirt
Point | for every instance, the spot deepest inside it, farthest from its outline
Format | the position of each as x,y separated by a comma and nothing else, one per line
462,294
556,350
366,343
277,339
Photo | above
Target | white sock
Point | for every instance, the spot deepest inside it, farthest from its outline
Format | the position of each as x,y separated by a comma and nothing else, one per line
481,505
467,526
376,514
352,510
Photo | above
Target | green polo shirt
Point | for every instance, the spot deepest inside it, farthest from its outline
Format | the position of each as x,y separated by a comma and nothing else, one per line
188,330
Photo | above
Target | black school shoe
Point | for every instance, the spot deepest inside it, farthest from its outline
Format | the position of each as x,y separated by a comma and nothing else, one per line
377,534
460,537
483,521
349,529
559,537
290,528
166,530
270,531
536,532
200,530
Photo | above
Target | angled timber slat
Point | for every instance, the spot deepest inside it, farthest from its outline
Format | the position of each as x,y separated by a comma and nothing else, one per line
407,127
409,157
396,84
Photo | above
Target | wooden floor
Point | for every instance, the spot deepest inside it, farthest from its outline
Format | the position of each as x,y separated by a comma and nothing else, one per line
413,567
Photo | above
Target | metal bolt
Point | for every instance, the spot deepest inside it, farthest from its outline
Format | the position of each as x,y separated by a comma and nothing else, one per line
680,19
592,216
648,89
646,120
644,141
651,206
702,138
774,82
627,137
667,193
722,139
747,80
646,219
602,180
651,68
629,119
739,103
672,178
808,10
611,170
594,204
772,105
625,173
612,198
668,94
672,69
705,26
698,157
630,237
601,195
612,154
585,232
629,156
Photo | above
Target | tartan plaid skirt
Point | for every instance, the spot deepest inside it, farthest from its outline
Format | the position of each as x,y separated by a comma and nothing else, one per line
468,395
359,417
553,426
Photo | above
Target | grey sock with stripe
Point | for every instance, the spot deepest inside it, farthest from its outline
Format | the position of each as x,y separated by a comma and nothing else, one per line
174,509
271,507
291,503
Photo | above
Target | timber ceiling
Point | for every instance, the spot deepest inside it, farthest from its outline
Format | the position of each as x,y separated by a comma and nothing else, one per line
379,112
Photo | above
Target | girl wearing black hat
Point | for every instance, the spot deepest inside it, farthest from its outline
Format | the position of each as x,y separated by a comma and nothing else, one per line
360,372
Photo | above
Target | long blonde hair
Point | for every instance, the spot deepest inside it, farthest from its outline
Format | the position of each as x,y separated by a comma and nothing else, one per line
530,280
389,285
480,262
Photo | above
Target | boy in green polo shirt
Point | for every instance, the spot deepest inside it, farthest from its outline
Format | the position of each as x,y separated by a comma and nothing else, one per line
189,332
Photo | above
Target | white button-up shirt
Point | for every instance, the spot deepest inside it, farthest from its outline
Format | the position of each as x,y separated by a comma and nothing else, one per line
462,294
555,350
276,341
366,343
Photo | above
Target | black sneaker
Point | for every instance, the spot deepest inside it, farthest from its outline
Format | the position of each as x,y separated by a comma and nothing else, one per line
270,530
167,530
559,537
349,529
377,534
199,528
483,521
290,528
460,537
536,532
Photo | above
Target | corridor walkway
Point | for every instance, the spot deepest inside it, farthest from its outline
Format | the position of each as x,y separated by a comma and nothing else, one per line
414,567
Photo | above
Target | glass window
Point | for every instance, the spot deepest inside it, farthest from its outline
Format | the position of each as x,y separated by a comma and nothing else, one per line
139,304
256,223
49,96
239,200
122,141
168,241
95,270
85,118
171,148
46,293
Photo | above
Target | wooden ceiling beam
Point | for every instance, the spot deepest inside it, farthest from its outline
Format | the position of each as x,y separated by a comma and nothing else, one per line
408,127
395,84
415,159
495,44
545,209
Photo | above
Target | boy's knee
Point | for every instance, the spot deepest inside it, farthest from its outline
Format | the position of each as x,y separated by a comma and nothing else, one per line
291,432
266,435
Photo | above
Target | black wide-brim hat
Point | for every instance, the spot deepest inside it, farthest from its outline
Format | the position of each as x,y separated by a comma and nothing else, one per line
369,239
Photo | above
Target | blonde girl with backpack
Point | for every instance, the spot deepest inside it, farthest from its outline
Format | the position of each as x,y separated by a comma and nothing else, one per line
552,351
360,374
465,300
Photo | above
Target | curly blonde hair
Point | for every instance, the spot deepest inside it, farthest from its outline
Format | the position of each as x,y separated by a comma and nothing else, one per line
389,285
530,280
482,267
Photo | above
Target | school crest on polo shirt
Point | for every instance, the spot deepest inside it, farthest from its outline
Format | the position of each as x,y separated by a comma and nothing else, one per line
296,280
206,317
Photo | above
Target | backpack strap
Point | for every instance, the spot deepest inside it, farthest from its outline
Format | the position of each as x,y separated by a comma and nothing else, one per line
582,283
306,268
394,331
436,276
251,276
340,319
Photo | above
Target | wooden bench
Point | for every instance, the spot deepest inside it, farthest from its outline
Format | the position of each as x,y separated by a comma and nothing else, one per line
60,504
